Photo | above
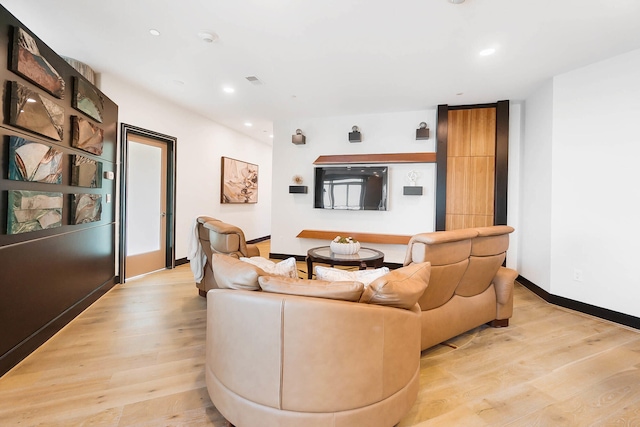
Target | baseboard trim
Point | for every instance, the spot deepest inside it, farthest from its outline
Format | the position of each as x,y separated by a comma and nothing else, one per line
300,258
592,310
259,239
181,261
14,356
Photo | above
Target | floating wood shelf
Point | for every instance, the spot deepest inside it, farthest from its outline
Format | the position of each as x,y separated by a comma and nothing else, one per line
377,158
390,239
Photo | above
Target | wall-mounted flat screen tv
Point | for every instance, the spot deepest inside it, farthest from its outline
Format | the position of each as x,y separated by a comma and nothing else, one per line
355,188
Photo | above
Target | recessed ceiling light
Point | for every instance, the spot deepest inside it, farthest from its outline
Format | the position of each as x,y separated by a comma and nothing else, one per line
208,36
460,93
456,1
247,124
31,100
487,52
228,89
270,136
179,82
154,32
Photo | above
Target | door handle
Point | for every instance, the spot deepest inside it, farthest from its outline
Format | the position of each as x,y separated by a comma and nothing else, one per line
163,214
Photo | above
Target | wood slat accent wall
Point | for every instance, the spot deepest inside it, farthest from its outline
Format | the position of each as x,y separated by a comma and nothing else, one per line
471,168
377,158
391,239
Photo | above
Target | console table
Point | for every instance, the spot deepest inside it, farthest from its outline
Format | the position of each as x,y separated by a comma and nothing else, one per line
366,257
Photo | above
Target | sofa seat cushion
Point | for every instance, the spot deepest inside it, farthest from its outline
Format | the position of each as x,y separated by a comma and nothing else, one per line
344,290
400,288
231,273
285,268
335,274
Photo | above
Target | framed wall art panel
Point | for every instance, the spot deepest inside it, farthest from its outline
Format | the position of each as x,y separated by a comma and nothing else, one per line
31,111
239,182
33,210
32,161
27,61
87,99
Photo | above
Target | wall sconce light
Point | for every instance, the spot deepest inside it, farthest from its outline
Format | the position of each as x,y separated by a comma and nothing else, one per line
298,138
423,131
355,135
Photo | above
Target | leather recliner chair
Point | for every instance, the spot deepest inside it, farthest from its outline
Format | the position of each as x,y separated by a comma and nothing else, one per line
218,237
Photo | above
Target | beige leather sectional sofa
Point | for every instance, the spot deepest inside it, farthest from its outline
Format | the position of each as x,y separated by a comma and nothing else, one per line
468,286
293,352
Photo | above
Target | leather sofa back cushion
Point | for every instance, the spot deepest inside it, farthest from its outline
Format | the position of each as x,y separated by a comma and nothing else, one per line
441,253
224,242
479,274
400,288
345,291
445,279
231,273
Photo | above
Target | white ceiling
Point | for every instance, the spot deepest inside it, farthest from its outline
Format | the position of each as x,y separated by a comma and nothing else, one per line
332,57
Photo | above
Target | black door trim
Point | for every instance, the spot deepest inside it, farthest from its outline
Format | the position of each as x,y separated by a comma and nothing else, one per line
170,218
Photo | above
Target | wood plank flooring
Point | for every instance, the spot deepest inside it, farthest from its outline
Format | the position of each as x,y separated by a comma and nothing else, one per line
136,358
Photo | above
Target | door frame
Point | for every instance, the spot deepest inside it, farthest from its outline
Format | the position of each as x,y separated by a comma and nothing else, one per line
501,159
170,219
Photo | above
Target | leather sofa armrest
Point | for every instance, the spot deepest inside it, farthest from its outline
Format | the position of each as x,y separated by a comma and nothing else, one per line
252,250
503,283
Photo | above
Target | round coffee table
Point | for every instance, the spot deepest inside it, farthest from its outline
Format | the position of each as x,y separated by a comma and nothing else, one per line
366,257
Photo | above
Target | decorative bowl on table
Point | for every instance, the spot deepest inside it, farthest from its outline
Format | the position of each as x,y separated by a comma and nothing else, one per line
344,246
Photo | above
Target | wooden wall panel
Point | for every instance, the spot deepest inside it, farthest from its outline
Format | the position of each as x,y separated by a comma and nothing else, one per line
470,168
49,276
483,131
459,143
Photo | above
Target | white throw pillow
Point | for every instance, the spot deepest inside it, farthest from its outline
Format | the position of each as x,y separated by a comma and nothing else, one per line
285,268
336,275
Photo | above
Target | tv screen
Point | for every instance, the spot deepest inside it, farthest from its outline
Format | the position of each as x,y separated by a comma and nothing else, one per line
351,188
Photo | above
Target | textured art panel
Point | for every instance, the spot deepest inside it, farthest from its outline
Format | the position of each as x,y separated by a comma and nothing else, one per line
32,161
33,210
239,182
31,111
86,172
87,208
87,99
28,62
87,136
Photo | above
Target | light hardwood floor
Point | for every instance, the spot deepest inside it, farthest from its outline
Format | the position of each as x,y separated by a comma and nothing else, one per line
136,358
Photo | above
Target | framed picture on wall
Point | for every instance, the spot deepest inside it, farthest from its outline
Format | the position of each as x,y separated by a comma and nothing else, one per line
239,182
28,62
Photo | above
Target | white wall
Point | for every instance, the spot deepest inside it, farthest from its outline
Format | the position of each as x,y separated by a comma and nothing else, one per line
595,199
535,189
381,133
200,145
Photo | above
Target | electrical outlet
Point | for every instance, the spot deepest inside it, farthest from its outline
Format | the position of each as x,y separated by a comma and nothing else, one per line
577,275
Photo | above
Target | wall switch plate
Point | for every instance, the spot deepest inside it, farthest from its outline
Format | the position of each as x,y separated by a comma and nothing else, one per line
108,175
107,198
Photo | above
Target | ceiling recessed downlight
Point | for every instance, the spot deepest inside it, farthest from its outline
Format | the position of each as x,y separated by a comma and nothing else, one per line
456,1
228,89
154,32
487,52
248,124
208,36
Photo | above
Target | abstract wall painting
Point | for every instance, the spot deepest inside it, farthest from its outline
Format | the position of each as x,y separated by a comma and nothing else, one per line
32,161
86,136
86,172
87,208
33,210
239,182
31,111
87,99
28,62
